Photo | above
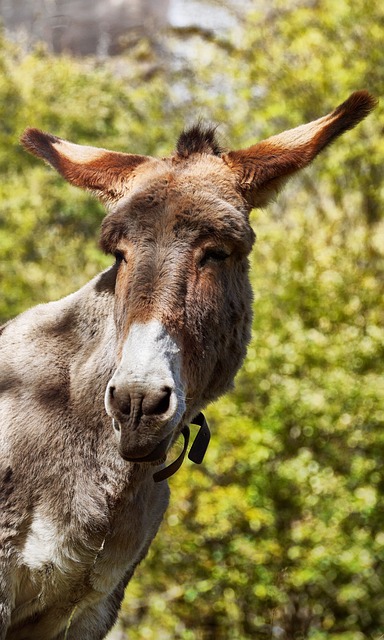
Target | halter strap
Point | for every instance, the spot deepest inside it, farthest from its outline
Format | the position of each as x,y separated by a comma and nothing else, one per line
197,452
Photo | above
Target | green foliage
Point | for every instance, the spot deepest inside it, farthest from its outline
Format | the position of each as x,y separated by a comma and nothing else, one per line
279,534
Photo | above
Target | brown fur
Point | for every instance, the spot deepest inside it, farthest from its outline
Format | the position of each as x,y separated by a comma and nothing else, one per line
76,518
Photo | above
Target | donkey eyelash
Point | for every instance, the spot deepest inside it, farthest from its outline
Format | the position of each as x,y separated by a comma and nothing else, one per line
214,255
119,257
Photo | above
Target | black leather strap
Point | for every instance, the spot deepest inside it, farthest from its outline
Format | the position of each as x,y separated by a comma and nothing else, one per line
165,473
201,442
197,452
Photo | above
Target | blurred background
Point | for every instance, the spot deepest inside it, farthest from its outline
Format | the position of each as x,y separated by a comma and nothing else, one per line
280,533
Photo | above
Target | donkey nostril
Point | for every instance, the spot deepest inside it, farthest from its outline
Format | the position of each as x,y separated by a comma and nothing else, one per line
125,407
120,401
156,402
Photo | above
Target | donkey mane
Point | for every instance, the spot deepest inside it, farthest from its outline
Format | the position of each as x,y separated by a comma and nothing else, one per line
199,138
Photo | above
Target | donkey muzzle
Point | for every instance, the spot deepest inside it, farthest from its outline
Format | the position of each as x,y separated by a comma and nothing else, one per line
145,396
144,423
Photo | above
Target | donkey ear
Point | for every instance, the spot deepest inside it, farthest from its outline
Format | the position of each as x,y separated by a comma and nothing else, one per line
263,169
102,171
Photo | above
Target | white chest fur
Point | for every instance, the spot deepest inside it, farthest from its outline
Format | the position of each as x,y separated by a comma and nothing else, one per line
56,556
42,543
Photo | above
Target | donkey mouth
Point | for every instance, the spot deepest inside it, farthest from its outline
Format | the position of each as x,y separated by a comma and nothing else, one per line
158,454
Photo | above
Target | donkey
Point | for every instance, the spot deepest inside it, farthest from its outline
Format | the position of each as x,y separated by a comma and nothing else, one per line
95,388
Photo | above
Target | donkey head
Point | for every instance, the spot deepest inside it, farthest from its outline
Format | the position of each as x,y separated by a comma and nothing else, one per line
179,229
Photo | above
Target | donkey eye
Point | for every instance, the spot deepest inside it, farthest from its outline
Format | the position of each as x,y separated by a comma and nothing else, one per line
214,255
119,257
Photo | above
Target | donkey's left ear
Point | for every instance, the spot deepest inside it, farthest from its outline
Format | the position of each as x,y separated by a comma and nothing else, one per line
105,172
263,169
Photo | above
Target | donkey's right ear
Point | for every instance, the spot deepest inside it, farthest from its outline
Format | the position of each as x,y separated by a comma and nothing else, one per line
105,172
